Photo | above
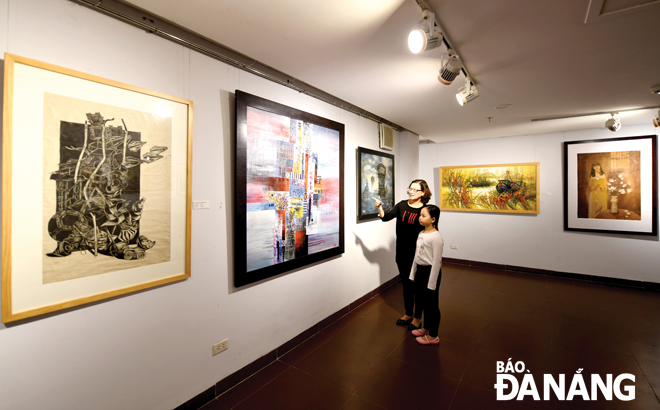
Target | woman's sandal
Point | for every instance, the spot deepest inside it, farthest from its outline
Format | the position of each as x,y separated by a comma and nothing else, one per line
413,327
402,322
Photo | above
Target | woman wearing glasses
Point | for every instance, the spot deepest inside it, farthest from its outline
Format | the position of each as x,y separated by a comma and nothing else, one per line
407,230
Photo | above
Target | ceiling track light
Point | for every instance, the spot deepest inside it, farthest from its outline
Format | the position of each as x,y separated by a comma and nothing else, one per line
467,93
424,35
613,123
656,120
451,68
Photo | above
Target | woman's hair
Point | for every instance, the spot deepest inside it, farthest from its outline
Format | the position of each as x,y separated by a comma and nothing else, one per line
434,212
593,171
425,187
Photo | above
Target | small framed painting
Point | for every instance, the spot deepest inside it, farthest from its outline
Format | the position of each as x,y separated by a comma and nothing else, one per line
96,183
610,185
500,188
375,180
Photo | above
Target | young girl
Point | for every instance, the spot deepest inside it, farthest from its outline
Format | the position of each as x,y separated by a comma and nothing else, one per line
426,274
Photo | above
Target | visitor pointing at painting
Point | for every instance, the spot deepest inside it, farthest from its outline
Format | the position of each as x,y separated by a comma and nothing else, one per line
406,213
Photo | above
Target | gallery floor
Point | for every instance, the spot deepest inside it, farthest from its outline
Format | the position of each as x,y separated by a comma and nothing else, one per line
556,326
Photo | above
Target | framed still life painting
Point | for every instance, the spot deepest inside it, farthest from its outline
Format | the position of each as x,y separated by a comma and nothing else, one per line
95,188
375,180
289,189
610,185
503,188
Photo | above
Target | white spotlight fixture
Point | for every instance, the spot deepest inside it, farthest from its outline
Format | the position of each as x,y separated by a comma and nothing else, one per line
467,93
613,124
656,120
451,67
424,35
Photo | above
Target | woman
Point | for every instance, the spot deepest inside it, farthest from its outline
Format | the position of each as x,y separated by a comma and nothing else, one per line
597,191
407,229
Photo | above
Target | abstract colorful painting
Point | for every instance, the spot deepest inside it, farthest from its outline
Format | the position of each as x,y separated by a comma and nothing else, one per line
375,180
289,191
610,185
510,188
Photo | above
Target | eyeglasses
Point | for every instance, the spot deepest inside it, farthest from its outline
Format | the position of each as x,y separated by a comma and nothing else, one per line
414,191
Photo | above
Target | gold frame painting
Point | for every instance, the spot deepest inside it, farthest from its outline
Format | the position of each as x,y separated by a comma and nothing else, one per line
96,188
501,188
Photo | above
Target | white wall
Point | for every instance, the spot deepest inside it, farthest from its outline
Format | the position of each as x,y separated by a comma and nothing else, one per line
537,241
152,350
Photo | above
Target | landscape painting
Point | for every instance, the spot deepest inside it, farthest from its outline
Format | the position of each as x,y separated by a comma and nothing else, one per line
510,188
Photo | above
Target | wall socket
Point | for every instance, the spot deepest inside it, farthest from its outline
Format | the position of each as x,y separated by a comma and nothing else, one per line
220,347
454,246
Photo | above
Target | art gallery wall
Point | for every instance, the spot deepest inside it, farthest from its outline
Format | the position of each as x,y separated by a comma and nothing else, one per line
537,241
152,349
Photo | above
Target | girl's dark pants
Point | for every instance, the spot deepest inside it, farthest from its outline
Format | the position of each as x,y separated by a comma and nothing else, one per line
428,299
408,288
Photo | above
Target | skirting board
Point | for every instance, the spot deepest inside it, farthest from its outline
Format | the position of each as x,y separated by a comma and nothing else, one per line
233,379
627,283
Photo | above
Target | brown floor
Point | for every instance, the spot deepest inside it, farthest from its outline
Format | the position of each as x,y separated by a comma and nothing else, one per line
364,361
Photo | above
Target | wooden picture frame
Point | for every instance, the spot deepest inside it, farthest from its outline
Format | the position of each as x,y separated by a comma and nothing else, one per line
96,188
289,201
500,188
375,179
611,185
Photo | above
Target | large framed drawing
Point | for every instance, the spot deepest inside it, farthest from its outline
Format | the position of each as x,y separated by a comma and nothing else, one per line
96,179
611,185
375,180
508,188
289,200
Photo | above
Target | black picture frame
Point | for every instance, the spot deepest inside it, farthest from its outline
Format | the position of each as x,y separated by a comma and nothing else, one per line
629,172
381,185
246,270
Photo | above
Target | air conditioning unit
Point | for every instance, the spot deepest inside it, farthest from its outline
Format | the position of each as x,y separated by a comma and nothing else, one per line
386,134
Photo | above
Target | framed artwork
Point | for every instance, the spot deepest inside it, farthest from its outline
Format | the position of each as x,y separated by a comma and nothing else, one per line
507,188
375,180
96,179
611,185
289,201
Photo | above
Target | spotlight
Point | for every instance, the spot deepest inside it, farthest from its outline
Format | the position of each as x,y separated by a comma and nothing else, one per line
656,120
655,90
424,36
613,124
450,68
467,93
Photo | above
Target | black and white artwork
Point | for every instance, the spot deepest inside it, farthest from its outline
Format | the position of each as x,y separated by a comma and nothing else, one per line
98,190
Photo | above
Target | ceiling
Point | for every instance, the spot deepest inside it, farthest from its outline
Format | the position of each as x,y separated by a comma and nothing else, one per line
540,56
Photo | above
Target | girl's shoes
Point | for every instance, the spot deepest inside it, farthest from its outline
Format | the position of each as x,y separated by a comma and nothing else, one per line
420,332
401,322
425,340
413,327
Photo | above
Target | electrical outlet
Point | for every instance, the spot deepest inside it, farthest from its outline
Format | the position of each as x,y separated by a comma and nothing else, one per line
454,247
220,347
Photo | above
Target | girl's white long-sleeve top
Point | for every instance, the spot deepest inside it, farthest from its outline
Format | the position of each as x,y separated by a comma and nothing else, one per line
429,252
